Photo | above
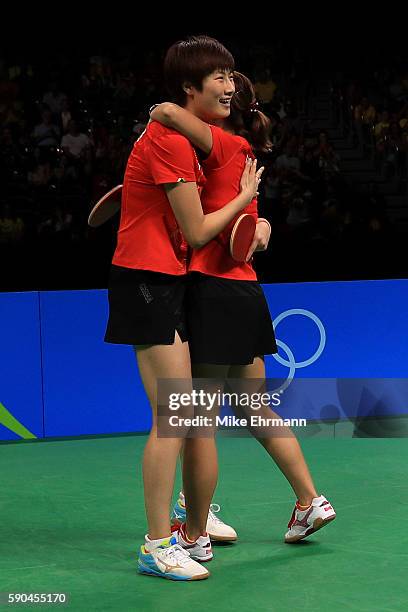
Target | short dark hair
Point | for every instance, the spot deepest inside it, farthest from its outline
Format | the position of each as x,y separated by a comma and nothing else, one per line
190,61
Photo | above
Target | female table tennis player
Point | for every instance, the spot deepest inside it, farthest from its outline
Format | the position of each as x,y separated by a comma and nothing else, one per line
146,305
229,322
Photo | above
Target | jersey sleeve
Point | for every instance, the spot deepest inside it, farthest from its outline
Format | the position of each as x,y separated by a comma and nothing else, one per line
225,147
172,160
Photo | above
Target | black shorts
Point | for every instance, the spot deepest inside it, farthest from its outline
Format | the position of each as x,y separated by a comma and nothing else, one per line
228,321
145,307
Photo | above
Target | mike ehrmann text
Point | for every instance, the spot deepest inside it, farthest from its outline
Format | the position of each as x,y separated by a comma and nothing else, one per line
232,421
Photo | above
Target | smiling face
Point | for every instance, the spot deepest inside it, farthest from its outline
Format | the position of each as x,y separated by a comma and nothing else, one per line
212,103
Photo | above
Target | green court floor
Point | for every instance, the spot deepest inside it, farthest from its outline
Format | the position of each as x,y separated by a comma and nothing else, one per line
72,518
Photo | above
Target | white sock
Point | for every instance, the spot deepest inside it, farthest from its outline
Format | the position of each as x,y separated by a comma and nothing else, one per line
152,544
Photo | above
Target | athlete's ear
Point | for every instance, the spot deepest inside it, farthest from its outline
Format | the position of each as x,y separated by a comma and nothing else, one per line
187,88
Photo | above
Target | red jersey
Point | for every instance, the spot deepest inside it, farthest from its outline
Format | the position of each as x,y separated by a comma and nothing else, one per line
223,169
149,237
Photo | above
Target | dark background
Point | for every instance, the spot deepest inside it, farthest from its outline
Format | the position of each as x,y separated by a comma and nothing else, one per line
335,186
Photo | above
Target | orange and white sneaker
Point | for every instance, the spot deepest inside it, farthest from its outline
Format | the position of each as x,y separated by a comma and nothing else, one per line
216,528
305,522
169,560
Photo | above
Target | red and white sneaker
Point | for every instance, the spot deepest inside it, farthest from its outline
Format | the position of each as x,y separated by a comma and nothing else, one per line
200,550
305,522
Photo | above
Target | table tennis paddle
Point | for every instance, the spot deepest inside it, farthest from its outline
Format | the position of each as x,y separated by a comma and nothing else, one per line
242,236
106,207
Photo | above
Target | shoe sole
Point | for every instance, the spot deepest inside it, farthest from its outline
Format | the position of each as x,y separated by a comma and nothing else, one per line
218,538
149,572
317,524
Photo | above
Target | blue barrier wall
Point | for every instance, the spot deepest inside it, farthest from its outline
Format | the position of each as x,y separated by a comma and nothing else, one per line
366,326
58,377
21,398
90,387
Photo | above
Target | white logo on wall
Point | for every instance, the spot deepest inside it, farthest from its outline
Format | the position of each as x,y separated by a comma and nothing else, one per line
291,362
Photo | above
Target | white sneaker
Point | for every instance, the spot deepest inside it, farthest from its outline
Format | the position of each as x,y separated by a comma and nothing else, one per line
217,529
200,550
305,522
170,561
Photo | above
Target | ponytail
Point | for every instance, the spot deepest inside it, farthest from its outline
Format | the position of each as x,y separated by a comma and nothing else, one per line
246,119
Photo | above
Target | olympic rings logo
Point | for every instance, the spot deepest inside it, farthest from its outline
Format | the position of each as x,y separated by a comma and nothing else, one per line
291,362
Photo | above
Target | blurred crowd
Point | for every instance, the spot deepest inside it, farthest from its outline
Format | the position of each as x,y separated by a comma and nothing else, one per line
68,125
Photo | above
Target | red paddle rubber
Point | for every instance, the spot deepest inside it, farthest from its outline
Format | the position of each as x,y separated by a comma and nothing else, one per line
242,236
